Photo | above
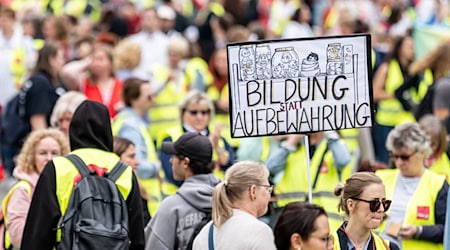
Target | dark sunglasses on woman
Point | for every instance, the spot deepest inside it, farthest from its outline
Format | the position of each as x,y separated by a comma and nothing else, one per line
375,204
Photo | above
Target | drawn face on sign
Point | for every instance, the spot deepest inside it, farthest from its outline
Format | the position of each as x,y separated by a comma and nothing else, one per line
286,57
245,54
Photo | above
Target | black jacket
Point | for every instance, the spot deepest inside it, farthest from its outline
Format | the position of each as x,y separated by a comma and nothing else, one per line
343,240
90,128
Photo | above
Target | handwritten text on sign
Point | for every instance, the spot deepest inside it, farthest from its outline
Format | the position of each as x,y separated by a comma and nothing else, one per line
290,87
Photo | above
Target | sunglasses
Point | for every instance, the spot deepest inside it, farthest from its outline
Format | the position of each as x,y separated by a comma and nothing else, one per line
403,157
195,112
374,205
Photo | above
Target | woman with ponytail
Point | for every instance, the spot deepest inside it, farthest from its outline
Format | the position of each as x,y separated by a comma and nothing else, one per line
237,202
363,199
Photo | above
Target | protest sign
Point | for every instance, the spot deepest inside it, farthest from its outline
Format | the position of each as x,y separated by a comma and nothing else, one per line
300,85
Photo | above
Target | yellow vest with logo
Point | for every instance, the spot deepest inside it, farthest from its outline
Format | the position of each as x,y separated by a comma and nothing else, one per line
425,196
151,185
21,184
380,243
165,112
294,183
65,173
390,112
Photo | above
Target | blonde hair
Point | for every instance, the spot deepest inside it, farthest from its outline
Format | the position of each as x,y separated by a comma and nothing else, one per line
354,187
26,159
438,60
196,97
68,102
238,179
179,45
127,55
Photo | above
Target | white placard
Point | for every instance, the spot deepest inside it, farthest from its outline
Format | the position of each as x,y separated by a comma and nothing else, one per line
300,85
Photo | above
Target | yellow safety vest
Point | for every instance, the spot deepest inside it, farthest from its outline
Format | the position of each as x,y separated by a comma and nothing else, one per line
425,196
75,8
17,66
278,17
21,184
294,183
380,243
442,166
174,133
390,112
195,68
151,185
66,172
165,112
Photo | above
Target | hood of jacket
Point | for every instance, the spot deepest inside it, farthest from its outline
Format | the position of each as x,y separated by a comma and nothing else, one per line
197,191
90,127
31,178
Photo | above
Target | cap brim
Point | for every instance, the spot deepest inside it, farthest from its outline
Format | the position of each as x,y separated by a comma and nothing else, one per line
167,147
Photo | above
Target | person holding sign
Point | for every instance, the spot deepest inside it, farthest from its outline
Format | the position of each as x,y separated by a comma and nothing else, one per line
417,216
330,159
363,199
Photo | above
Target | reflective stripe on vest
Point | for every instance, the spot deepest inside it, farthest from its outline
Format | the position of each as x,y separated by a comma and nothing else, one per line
65,173
425,196
21,184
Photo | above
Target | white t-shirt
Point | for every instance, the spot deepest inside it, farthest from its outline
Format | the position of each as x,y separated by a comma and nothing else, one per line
241,231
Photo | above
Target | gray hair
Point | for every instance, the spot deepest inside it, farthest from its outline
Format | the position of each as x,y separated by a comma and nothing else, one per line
66,103
409,136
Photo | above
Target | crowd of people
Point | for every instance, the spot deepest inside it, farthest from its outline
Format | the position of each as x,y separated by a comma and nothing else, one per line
146,82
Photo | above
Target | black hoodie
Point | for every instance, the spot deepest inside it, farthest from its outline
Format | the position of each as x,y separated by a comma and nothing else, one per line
90,128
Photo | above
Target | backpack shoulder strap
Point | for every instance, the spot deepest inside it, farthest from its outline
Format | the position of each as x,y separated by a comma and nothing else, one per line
117,171
79,164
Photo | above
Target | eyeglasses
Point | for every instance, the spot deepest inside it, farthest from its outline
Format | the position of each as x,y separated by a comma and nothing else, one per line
268,187
403,157
375,204
328,239
195,112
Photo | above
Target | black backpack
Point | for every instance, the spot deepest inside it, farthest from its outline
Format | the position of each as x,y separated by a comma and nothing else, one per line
96,216
14,125
197,230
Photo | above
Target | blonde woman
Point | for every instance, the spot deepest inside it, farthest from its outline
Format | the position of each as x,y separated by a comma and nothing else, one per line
237,203
363,199
127,55
40,147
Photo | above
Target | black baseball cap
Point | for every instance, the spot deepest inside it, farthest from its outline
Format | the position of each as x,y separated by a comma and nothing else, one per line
192,145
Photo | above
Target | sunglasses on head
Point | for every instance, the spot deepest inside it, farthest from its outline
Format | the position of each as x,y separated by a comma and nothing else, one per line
195,112
375,204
